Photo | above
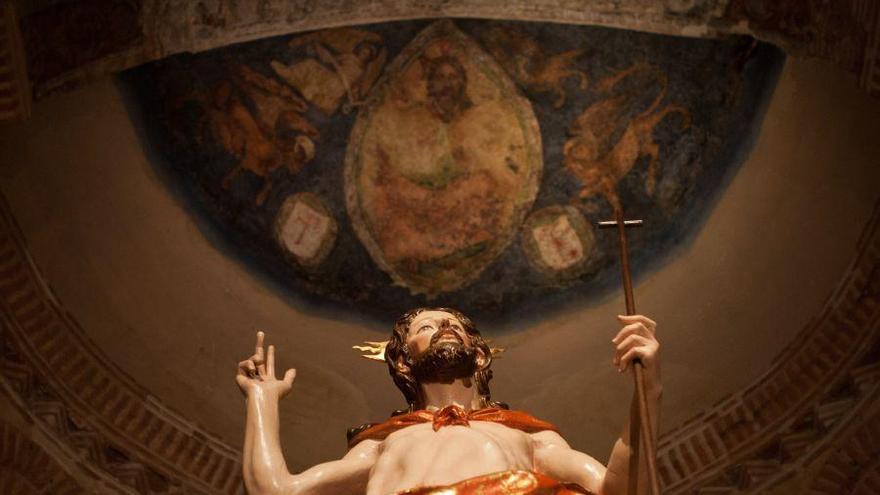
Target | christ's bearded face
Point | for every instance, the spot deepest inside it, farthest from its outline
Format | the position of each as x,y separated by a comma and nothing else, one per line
446,84
440,349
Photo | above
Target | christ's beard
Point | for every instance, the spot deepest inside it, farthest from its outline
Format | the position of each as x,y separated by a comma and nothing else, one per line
448,102
445,362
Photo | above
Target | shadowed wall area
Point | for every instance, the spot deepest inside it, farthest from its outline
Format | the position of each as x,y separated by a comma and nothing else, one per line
133,275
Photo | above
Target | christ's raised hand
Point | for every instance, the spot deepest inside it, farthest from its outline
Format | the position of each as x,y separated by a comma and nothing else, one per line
258,372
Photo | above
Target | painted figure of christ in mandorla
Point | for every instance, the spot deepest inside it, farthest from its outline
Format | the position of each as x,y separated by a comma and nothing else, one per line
453,439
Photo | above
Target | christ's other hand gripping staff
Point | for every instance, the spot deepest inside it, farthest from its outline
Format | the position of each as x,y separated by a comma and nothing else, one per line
453,439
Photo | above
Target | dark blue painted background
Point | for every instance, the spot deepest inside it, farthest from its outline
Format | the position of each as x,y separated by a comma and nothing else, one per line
724,83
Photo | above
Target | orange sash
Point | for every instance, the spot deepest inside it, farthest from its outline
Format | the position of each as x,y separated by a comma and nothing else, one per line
503,483
453,415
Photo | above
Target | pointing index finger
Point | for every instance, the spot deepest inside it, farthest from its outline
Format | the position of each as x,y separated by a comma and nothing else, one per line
259,347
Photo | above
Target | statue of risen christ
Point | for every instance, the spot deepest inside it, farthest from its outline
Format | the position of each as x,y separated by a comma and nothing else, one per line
453,439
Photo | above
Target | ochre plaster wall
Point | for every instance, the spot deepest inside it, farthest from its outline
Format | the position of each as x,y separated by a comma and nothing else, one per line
176,313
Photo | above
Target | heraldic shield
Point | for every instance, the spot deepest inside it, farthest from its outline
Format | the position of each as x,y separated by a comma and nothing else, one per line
443,163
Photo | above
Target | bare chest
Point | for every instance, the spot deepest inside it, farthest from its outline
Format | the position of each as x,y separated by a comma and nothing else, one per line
419,456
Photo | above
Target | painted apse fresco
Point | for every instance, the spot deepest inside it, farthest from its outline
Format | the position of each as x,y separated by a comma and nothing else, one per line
459,162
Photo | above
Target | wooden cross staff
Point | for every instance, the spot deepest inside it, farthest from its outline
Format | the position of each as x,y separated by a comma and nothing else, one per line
644,423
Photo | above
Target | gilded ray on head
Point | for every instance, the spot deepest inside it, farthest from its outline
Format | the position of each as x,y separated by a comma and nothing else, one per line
373,350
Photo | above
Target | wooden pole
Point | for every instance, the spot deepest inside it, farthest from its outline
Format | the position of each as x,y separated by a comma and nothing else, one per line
644,424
